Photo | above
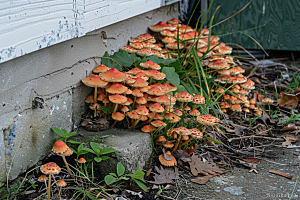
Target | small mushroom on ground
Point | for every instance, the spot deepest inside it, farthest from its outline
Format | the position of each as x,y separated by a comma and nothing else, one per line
117,116
167,162
61,183
60,148
50,168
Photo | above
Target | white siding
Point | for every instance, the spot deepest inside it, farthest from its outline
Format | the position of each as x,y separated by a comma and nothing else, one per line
29,25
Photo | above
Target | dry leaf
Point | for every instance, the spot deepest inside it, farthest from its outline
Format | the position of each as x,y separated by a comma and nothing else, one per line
165,175
288,140
199,167
297,90
149,171
85,122
289,101
201,180
251,160
290,127
256,80
259,96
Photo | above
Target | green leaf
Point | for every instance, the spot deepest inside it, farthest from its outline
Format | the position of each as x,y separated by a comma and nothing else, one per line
71,134
124,58
88,150
168,61
109,179
171,75
95,146
113,174
155,59
141,185
216,141
110,63
107,150
108,110
139,174
80,147
104,157
180,88
58,131
74,142
97,159
120,169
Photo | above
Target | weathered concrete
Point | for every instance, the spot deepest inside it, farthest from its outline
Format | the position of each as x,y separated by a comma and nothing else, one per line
54,75
132,147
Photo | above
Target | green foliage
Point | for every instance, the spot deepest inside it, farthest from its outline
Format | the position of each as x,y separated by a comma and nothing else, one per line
137,177
294,117
171,75
99,152
295,82
64,135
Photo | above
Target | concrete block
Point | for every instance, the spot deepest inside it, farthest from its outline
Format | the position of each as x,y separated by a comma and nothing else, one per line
133,147
29,136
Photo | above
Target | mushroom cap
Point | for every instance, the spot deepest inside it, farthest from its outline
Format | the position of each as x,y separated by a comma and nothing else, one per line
185,28
158,27
61,183
186,108
89,99
150,64
158,123
136,45
218,64
156,116
148,128
267,101
167,163
144,52
147,44
196,133
42,178
170,88
100,97
133,114
236,108
118,99
142,110
224,71
160,139
113,75
247,86
81,160
124,109
183,97
173,21
141,100
68,152
208,120
184,137
105,100
156,107
95,106
174,45
116,88
134,71
100,68
246,110
215,57
168,144
241,70
129,49
194,112
137,93
178,112
225,50
50,168
156,75
167,33
163,99
60,147
252,101
168,39
182,131
175,119
158,54
143,89
198,99
156,91
142,75
94,80
117,116
139,82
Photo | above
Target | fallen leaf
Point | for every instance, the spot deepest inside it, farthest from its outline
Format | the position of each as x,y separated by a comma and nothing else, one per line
149,171
203,168
259,96
288,140
201,180
260,76
251,160
85,122
290,127
164,176
256,80
297,90
289,101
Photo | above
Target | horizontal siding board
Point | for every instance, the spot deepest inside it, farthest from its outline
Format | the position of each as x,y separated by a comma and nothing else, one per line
27,26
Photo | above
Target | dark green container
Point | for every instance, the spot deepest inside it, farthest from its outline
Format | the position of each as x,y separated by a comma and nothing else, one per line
281,19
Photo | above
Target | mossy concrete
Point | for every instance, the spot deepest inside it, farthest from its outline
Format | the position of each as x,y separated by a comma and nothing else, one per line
133,147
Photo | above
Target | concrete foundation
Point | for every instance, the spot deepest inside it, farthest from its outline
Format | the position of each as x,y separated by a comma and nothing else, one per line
43,89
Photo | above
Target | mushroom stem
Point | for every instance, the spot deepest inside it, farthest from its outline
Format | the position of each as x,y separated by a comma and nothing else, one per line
67,166
177,143
49,186
113,124
136,122
59,193
116,106
187,141
150,118
192,151
204,129
181,105
134,101
150,80
194,107
220,131
95,95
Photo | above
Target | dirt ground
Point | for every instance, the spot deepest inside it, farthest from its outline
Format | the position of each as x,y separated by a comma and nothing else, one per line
240,184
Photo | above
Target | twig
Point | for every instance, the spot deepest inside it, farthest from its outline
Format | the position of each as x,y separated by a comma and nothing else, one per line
281,174
255,136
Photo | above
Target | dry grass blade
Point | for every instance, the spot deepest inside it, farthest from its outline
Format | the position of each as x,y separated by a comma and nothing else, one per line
281,174
244,50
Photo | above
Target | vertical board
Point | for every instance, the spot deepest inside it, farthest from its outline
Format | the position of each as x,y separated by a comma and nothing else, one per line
281,19
27,26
